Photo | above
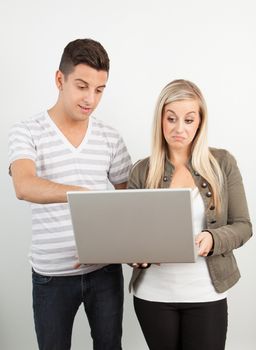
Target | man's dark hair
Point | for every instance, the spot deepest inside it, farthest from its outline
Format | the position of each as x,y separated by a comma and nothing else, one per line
85,51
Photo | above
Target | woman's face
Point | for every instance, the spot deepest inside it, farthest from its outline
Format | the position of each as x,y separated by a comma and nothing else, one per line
180,122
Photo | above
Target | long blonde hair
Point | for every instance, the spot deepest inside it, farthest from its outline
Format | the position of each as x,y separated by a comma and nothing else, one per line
202,159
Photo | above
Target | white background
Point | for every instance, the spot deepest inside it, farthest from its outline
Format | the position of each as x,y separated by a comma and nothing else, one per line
150,43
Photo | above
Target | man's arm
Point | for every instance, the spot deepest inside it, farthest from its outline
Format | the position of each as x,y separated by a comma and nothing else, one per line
121,186
29,187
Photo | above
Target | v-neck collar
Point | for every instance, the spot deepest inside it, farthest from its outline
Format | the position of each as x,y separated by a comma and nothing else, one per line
63,137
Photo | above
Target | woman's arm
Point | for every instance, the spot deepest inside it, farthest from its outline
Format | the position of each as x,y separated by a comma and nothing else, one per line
238,229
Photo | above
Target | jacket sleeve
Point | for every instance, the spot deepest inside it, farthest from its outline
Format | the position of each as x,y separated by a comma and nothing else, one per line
238,228
137,177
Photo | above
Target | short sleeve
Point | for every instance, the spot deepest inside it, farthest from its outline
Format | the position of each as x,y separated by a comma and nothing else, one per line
21,144
120,163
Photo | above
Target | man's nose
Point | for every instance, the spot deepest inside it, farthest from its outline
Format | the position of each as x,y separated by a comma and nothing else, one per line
89,97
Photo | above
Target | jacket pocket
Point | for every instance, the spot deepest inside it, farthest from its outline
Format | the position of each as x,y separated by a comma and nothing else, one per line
222,267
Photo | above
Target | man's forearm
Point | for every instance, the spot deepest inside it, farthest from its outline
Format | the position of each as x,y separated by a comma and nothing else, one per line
42,191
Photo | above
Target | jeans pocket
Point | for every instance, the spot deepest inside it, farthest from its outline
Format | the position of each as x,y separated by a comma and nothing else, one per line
112,268
40,279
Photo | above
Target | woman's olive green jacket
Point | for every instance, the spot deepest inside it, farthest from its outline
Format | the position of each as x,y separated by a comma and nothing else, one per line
230,229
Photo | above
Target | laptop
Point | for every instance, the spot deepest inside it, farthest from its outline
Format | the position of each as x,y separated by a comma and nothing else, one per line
126,226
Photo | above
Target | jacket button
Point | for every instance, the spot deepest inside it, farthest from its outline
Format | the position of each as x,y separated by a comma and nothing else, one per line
204,185
212,207
165,178
213,222
208,194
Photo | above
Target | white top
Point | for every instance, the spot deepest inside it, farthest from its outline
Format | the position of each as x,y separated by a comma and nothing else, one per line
180,282
101,157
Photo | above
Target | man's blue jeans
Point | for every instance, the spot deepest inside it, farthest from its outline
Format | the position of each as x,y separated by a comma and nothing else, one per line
57,299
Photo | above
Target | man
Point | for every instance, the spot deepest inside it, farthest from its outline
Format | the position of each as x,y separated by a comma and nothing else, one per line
66,149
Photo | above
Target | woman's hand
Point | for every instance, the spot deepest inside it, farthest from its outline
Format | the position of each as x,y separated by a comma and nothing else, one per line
204,241
140,265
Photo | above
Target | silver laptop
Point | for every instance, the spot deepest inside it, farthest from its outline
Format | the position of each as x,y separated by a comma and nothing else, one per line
125,226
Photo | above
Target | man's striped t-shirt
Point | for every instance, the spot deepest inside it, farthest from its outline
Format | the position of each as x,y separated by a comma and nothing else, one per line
101,158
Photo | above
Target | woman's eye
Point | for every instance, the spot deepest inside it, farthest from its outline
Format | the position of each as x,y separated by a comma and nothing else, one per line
171,119
189,121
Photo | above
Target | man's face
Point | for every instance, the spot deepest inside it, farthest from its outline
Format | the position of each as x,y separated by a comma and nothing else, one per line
81,91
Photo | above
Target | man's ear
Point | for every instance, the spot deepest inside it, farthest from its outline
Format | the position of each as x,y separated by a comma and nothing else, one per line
59,78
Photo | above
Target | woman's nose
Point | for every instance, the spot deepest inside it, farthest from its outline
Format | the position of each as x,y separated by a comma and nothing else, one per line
180,126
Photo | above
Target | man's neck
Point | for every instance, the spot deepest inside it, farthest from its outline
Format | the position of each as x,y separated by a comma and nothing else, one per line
73,130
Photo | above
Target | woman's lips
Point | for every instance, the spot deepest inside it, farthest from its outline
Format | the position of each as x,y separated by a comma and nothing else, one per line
178,138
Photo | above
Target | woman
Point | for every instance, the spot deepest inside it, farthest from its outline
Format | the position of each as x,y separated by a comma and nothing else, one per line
183,306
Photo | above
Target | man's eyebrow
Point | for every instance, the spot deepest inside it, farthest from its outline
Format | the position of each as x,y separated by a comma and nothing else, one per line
86,83
81,81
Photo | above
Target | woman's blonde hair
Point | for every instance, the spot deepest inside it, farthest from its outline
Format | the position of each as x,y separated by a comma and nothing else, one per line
202,159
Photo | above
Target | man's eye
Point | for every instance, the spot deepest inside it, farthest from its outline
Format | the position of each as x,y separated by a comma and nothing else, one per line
81,87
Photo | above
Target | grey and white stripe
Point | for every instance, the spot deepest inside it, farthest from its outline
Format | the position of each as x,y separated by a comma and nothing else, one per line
101,157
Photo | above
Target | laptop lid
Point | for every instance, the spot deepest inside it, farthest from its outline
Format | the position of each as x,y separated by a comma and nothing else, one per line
125,226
